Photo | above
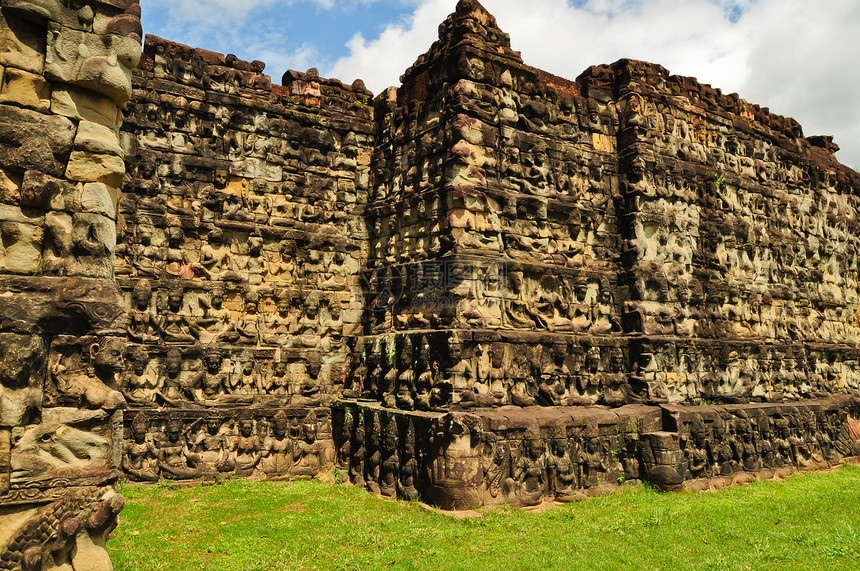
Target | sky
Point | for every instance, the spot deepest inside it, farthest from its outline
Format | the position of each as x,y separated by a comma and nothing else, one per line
797,57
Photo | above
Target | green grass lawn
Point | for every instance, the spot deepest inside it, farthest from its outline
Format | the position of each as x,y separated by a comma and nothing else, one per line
807,522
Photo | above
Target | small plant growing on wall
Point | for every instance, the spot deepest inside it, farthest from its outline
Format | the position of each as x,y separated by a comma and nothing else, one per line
40,267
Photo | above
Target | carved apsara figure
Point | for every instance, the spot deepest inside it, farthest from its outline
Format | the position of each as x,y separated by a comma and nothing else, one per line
175,459
140,455
213,447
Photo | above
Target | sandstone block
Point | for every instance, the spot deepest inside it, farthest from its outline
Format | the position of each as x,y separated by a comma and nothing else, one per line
5,457
10,187
25,89
57,251
603,143
22,44
9,213
22,376
46,192
99,198
97,139
93,244
100,63
39,12
85,166
83,104
33,141
21,234
92,448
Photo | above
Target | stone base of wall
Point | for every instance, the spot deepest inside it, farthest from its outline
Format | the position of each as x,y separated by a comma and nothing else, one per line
525,456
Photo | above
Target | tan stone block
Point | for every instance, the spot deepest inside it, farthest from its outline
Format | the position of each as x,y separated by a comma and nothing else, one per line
99,198
5,459
83,104
21,237
10,187
94,243
34,141
97,139
44,192
115,192
676,378
102,63
22,44
237,186
88,167
603,143
57,251
25,89
10,213
88,554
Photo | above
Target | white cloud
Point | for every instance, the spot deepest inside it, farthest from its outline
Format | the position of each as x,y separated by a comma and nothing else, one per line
224,13
202,17
380,62
242,27
794,56
803,63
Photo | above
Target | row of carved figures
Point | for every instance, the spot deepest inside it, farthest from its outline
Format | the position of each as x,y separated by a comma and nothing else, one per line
424,382
307,323
211,448
212,382
528,470
425,376
243,259
379,456
796,440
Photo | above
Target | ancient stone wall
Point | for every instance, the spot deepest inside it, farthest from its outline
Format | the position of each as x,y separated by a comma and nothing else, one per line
242,236
504,179
741,234
65,76
557,214
621,242
490,284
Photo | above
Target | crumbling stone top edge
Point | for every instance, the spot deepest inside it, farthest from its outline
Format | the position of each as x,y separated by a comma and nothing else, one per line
173,50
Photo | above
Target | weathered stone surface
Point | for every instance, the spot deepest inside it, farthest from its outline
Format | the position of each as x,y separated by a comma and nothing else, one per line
545,244
22,234
51,306
240,258
100,198
40,12
503,341
5,459
82,104
97,139
22,369
22,44
66,441
25,89
10,187
530,283
62,339
44,192
32,141
85,166
101,63
97,156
